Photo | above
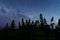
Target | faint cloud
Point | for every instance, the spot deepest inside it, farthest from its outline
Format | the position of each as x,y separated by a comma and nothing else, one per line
2,10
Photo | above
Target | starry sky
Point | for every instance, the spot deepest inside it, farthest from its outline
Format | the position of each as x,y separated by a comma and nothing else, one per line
31,8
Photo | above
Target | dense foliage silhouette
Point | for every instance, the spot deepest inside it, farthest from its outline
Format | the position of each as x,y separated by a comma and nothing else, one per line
32,30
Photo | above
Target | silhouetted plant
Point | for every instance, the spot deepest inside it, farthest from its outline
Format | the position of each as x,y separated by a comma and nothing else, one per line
29,20
19,25
59,22
52,24
45,22
37,23
52,19
38,29
13,24
23,24
41,19
26,22
33,23
6,26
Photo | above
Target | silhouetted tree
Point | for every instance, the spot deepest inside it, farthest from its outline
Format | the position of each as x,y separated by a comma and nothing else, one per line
37,23
52,19
29,23
23,24
13,24
45,22
32,23
59,22
29,20
6,26
52,24
41,19
31,30
26,22
19,25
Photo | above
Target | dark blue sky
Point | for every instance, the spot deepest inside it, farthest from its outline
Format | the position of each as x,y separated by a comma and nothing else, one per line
31,8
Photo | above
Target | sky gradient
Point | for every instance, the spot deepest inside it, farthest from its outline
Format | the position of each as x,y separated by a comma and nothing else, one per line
31,8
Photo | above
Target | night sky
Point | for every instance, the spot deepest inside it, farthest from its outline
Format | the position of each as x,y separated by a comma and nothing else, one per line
30,8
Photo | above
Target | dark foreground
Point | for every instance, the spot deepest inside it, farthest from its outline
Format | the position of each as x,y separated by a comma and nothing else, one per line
30,34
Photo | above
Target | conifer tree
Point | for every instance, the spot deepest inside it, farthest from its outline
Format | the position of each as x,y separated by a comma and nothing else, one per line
41,20
59,22
6,26
13,24
23,24
52,24
45,22
19,25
